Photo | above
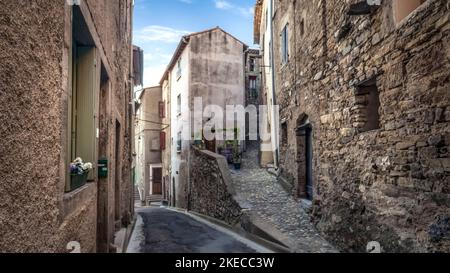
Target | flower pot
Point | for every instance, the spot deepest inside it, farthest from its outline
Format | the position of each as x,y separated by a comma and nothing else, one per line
78,180
228,154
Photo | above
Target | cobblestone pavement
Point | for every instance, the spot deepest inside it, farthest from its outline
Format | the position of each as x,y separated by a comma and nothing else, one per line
160,230
266,197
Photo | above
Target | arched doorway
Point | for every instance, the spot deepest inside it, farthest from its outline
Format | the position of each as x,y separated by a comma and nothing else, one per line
305,155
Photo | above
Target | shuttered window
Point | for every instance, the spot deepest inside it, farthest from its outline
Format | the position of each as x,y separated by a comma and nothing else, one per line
84,105
162,140
83,98
162,109
285,45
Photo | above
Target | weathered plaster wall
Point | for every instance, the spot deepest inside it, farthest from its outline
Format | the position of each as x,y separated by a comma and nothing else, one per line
392,184
113,22
166,154
269,152
217,70
179,86
212,67
35,214
31,92
149,128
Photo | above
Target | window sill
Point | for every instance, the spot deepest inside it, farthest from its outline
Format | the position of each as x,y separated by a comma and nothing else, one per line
72,201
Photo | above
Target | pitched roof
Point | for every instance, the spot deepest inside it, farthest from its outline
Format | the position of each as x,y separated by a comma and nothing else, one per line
185,41
257,21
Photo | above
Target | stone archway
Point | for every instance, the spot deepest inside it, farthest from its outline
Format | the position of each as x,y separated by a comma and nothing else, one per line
305,154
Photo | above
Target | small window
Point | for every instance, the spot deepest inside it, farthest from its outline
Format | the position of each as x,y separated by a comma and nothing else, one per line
267,19
253,87
85,79
179,105
252,64
179,69
284,133
270,53
162,140
302,27
403,8
162,109
285,45
179,142
367,106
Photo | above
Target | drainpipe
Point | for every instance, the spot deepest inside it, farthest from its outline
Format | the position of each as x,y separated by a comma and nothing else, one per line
295,50
274,98
132,110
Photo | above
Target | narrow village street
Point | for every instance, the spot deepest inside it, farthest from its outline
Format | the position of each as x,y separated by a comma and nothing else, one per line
161,230
126,127
259,192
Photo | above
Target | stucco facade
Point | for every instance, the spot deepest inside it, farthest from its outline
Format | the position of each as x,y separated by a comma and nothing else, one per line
168,183
264,37
371,92
37,211
207,65
148,142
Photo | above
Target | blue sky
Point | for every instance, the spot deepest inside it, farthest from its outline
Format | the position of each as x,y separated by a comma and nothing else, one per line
159,25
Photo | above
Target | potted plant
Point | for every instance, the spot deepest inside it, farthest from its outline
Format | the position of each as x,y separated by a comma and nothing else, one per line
237,159
220,149
231,149
79,172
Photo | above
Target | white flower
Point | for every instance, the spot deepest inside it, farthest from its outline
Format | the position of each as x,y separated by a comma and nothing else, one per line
78,160
87,166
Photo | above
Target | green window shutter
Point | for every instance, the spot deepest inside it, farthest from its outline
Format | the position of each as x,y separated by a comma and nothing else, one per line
86,101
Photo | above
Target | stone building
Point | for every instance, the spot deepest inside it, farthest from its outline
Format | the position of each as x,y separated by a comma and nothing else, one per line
253,95
149,144
207,65
252,77
65,92
365,111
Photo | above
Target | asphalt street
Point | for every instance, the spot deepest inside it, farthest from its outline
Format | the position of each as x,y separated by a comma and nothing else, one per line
160,230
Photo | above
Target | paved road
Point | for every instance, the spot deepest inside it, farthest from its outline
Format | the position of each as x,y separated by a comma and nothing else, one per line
160,230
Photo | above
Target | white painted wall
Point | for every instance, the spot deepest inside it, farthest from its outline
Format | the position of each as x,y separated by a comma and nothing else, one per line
266,43
179,123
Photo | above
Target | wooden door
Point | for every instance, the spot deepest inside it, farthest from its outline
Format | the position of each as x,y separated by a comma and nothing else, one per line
157,181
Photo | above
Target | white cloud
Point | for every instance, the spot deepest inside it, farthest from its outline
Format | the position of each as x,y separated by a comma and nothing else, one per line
153,74
157,57
155,63
222,4
159,33
226,5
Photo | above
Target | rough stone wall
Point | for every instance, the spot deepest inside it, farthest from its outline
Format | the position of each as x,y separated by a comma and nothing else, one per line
392,184
35,214
212,192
